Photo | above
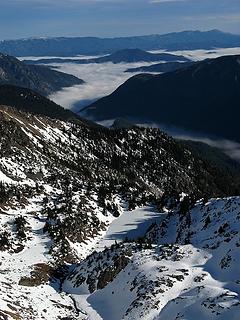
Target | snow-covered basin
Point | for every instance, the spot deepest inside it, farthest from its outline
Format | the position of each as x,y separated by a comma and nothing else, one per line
131,224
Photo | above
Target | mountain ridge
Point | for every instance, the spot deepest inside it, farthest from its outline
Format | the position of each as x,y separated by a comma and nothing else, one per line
125,55
62,184
26,100
38,78
63,46
161,67
195,98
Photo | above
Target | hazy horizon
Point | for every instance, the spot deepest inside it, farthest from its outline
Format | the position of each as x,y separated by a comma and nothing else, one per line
112,37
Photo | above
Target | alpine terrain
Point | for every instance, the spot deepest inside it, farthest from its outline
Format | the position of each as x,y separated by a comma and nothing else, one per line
120,223
119,160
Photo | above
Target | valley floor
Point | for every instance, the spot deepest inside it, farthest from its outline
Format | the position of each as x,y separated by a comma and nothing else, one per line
130,225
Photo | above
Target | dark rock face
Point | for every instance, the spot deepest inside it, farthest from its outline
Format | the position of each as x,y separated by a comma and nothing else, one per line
110,273
40,274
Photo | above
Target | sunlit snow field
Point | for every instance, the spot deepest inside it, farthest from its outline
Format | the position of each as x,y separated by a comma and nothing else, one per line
130,225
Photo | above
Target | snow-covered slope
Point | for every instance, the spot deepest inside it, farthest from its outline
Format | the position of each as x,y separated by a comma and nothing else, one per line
189,270
25,269
70,193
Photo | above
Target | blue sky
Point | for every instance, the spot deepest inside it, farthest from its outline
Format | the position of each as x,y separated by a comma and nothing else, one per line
26,18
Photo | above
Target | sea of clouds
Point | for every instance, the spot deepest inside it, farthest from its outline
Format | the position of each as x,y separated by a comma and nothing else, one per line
100,80
103,79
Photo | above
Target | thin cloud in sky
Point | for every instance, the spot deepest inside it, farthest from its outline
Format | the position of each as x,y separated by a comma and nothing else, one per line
164,1
224,17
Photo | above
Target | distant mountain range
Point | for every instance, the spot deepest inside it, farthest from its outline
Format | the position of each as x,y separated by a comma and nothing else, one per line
38,78
92,45
162,67
125,55
203,97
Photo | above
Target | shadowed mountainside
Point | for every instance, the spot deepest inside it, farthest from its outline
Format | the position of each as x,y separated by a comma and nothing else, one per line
38,78
203,97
